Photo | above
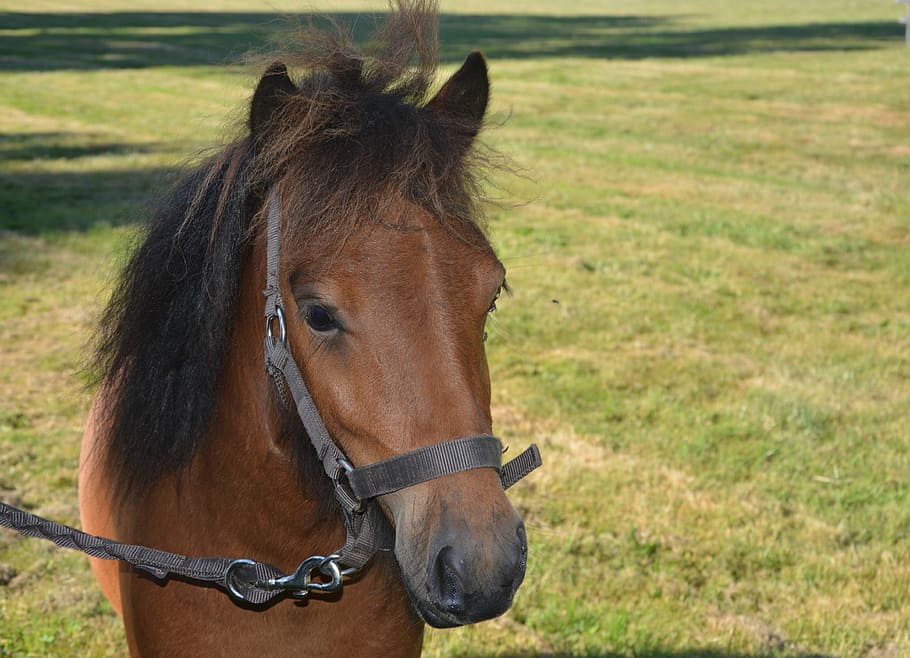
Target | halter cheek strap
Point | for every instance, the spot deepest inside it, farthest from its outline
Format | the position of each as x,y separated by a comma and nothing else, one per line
368,530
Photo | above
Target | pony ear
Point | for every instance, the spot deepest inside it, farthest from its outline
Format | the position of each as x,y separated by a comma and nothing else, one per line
464,96
270,94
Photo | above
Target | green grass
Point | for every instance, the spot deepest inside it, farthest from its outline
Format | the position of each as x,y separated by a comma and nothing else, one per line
709,334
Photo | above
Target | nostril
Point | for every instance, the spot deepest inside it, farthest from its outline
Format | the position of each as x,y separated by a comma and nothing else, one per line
522,537
447,581
520,562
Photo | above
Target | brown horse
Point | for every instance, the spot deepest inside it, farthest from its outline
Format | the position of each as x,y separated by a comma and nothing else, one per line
388,280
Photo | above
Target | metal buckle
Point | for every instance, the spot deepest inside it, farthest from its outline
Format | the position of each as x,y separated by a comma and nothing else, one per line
282,327
347,497
229,583
300,583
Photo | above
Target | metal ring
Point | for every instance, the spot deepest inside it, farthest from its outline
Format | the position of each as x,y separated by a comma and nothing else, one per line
328,567
229,577
335,557
343,491
282,327
332,557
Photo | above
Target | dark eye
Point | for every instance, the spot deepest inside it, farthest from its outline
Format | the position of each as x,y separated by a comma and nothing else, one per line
319,319
495,299
492,309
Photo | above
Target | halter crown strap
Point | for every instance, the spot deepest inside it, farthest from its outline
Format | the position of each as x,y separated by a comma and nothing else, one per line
356,488
273,301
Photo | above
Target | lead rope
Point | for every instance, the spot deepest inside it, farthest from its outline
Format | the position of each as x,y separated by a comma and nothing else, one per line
160,564
367,528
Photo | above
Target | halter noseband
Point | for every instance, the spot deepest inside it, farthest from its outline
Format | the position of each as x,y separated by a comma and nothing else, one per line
356,488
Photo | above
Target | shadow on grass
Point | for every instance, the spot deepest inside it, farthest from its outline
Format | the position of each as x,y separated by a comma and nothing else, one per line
41,202
38,41
24,147
36,199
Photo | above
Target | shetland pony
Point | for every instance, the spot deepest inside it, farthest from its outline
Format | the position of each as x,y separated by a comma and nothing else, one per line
388,279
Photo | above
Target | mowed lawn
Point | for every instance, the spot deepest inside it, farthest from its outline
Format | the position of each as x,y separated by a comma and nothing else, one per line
709,336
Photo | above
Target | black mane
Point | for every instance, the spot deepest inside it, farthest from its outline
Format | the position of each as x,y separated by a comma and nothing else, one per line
356,132
167,327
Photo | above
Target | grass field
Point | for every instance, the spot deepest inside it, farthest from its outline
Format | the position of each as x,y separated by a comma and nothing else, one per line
709,335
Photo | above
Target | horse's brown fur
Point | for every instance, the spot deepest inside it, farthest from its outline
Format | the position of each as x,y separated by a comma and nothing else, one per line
378,208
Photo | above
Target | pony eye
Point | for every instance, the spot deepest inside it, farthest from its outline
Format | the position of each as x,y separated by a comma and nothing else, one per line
491,310
493,303
319,319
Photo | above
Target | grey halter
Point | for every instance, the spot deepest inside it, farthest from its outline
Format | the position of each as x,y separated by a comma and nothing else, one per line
356,489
